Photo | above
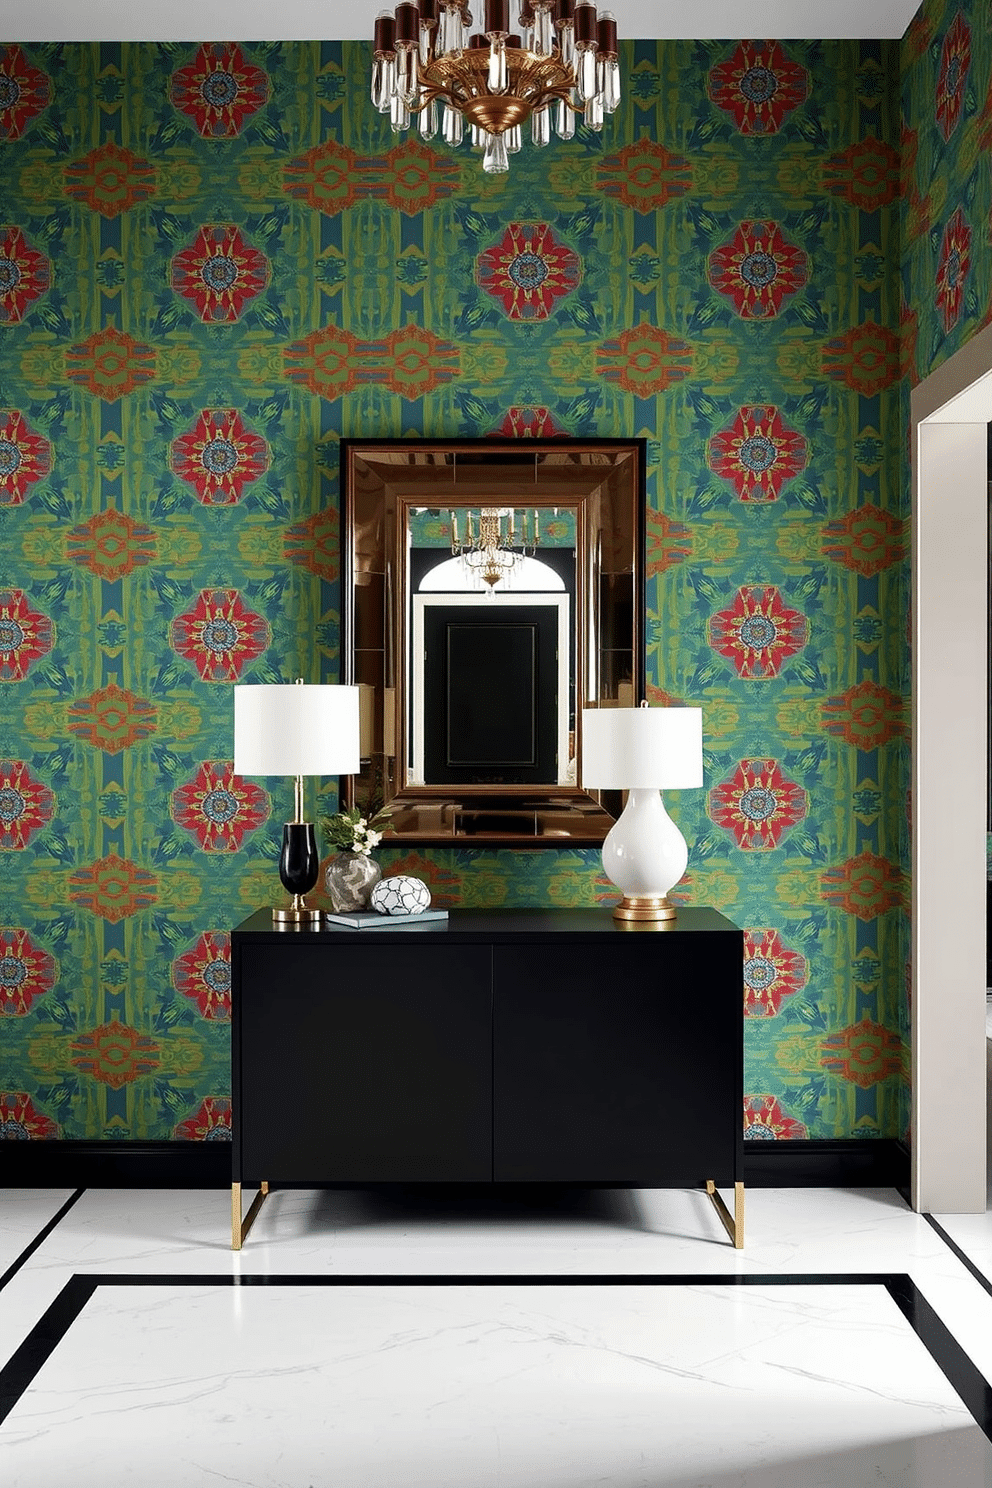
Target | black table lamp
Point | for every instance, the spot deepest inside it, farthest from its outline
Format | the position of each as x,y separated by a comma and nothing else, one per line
295,729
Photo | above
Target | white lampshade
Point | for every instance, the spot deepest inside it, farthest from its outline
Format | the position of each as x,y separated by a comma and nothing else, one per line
642,748
293,729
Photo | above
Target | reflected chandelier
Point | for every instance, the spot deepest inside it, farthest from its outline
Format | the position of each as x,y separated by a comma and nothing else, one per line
564,59
484,551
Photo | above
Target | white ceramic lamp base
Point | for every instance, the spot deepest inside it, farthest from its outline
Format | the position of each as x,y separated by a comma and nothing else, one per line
645,855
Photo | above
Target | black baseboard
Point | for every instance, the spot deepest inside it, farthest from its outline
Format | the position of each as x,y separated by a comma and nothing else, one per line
880,1164
115,1164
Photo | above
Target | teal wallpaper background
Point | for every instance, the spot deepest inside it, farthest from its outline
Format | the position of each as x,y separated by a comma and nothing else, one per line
215,261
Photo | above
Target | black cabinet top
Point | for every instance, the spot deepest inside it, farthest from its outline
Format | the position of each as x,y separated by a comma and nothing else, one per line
491,925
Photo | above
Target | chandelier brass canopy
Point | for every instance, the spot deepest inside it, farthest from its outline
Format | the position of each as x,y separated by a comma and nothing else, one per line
428,63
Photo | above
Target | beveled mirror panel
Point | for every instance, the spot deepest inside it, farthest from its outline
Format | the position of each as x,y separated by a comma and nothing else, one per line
491,590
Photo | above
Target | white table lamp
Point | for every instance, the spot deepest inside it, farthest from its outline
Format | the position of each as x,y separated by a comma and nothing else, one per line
643,751
296,729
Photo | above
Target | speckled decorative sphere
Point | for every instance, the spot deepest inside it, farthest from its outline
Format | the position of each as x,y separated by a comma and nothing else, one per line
400,895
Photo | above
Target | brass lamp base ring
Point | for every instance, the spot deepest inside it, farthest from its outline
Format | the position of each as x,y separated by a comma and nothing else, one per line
645,907
296,913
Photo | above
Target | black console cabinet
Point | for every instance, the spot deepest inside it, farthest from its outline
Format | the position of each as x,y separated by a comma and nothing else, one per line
505,1046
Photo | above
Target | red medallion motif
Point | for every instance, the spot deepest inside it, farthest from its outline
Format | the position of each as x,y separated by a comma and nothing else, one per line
24,457
952,269
20,1122
528,270
25,92
758,453
760,84
757,269
758,634
955,60
764,1120
204,975
771,972
220,273
219,90
758,805
26,972
220,808
26,805
26,635
211,1123
25,275
220,635
218,457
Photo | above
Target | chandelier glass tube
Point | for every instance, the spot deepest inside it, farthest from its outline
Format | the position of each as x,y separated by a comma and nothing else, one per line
431,68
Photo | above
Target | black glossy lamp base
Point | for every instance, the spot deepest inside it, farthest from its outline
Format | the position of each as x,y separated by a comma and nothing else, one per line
299,869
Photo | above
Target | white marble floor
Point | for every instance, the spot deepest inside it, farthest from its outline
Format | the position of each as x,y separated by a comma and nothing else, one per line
794,1362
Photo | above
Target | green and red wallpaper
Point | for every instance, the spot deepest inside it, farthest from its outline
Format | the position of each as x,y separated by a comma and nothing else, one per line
216,261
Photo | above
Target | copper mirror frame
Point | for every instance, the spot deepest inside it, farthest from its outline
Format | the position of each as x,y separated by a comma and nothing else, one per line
592,488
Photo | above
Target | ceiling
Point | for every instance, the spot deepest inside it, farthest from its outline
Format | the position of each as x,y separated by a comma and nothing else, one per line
340,20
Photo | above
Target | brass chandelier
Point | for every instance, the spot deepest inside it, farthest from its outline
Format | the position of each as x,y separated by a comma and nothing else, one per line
427,62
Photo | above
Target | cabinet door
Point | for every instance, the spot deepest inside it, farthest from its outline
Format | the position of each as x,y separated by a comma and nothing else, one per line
365,1063
618,1062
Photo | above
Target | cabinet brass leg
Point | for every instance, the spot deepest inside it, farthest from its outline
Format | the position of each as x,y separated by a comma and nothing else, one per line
239,1226
732,1223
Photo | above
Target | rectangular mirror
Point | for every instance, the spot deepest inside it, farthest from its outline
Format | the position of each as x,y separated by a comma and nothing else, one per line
491,590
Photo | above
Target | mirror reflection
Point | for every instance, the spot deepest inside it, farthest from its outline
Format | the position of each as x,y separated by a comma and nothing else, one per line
493,591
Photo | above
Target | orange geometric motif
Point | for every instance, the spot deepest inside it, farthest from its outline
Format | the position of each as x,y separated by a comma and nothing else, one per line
110,180
644,176
115,1054
110,364
410,177
411,362
644,361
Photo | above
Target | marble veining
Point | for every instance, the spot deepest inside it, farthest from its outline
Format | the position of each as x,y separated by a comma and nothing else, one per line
706,1386
471,1385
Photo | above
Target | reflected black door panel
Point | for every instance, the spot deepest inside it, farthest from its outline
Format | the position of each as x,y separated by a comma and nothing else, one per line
491,695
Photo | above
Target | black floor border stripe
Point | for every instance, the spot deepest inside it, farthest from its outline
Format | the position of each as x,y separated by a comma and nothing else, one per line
964,1376
46,1335
40,1238
961,1373
965,1260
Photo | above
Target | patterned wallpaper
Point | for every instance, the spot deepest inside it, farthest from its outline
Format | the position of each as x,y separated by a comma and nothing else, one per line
214,262
947,181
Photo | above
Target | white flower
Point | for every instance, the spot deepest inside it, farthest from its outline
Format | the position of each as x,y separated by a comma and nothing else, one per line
373,839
